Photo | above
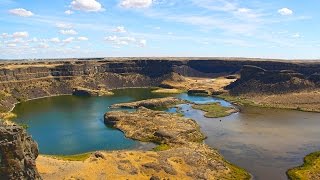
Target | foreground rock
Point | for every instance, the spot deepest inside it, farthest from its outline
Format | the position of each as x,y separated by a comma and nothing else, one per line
151,103
18,153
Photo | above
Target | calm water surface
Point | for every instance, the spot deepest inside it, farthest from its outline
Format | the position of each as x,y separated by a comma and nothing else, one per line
72,125
266,142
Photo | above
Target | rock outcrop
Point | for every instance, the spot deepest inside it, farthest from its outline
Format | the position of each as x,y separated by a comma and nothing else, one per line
258,80
187,157
18,153
151,103
155,126
79,91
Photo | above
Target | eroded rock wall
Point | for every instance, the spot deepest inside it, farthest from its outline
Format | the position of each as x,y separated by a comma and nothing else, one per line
18,153
20,80
261,81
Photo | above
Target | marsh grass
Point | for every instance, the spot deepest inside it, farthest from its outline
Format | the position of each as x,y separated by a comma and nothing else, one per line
309,170
77,157
214,110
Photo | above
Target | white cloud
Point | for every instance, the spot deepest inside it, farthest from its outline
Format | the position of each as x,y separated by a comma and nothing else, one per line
63,26
54,40
33,40
68,12
83,38
4,35
20,35
125,40
285,11
86,5
120,29
136,3
244,10
142,43
69,32
68,40
296,35
11,45
43,45
117,40
21,12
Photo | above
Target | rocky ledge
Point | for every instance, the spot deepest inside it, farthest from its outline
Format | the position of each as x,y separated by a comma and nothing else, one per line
79,91
151,103
185,155
18,153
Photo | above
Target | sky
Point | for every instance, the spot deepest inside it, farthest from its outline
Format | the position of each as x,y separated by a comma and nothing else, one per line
287,29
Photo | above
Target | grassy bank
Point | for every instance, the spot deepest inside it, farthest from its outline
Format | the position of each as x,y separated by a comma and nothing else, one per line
214,110
76,157
309,170
167,91
284,101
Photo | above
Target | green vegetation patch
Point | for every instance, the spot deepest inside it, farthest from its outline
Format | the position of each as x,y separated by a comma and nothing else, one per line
236,100
238,173
77,157
214,110
162,147
309,170
8,116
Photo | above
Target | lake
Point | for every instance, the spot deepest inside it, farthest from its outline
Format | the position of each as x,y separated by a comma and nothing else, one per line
264,141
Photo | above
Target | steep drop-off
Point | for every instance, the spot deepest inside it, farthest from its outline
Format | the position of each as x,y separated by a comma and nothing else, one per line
18,153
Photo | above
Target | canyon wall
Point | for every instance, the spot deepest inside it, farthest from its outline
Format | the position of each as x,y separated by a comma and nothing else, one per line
23,80
257,80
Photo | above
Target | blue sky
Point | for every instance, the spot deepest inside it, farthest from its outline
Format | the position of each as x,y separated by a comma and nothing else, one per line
100,28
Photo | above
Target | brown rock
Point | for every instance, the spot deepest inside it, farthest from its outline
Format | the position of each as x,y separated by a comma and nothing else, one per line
18,154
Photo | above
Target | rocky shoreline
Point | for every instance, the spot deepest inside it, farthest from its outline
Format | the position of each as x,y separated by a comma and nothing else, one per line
151,103
185,155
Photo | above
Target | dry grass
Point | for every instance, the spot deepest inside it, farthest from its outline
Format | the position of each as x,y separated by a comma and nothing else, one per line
217,84
305,101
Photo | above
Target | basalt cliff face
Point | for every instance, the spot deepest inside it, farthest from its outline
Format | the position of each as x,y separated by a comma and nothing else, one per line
258,80
24,80
18,153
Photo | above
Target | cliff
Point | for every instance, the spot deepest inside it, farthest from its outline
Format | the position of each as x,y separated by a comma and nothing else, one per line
18,153
261,81
24,80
